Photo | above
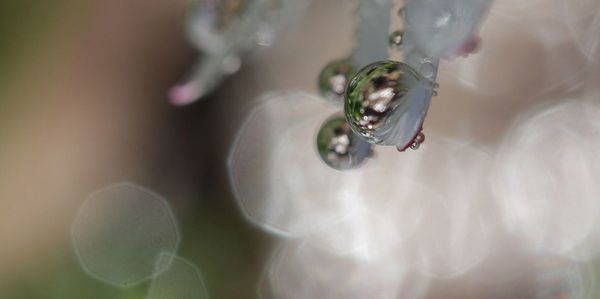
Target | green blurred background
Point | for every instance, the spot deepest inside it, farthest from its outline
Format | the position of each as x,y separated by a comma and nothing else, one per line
83,105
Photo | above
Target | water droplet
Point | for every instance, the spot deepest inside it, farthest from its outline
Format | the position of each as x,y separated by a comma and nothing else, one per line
339,147
333,80
415,144
427,69
396,39
374,95
420,138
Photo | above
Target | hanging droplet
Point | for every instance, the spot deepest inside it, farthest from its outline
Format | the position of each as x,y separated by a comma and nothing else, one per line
376,99
419,139
334,78
396,39
415,144
339,147
427,69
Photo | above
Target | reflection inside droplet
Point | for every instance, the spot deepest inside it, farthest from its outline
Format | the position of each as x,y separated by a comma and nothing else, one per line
338,146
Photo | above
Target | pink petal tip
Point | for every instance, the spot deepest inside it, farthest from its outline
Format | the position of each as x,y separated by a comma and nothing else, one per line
181,95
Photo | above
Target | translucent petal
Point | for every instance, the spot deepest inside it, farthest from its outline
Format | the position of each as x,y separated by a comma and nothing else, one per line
440,27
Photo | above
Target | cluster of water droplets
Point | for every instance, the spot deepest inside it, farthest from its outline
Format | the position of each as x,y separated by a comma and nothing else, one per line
400,223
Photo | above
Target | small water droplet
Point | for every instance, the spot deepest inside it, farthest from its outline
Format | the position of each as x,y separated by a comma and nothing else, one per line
396,39
333,80
427,69
420,138
339,147
373,95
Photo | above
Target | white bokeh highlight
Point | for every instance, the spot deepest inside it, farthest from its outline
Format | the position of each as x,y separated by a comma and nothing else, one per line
121,232
298,270
182,280
448,179
583,19
526,273
431,205
545,178
277,176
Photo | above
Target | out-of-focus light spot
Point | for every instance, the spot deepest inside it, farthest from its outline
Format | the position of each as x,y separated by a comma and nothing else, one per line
182,280
278,178
545,179
583,19
430,204
441,28
527,273
302,271
482,73
559,277
455,231
374,224
121,232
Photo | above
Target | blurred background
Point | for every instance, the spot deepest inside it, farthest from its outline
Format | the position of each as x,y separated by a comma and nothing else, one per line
83,104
